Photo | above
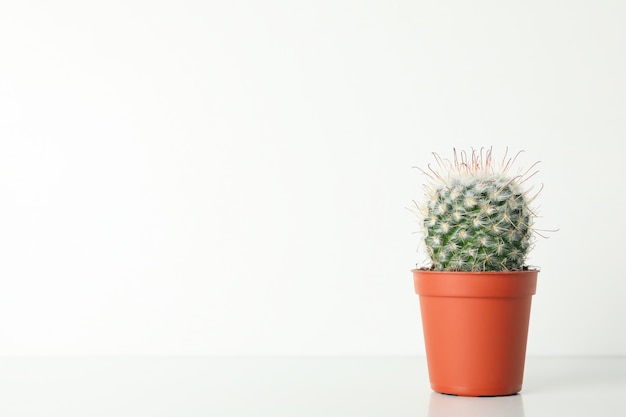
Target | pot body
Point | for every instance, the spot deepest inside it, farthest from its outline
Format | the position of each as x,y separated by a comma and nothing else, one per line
475,329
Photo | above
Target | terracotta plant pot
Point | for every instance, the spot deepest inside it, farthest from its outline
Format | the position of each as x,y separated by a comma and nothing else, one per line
475,329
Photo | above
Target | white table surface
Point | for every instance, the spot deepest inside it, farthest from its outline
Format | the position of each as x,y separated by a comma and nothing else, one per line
294,386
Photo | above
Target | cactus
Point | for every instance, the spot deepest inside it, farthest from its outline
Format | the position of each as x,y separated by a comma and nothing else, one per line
476,216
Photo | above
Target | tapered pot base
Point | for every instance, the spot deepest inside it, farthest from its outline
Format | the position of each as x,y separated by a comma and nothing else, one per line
476,392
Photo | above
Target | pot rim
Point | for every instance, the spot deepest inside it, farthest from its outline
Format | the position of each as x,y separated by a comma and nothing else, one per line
517,271
490,284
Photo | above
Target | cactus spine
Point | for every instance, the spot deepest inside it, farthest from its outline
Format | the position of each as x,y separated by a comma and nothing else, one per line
476,216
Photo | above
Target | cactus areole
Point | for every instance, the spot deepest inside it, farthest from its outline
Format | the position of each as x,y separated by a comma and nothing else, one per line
476,214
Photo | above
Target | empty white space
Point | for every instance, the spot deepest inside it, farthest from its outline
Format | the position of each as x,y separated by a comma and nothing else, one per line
232,177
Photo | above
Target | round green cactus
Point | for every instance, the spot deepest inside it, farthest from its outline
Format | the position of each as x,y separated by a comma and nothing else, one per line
476,217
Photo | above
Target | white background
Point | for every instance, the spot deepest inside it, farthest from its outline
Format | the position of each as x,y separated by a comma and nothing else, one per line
232,177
